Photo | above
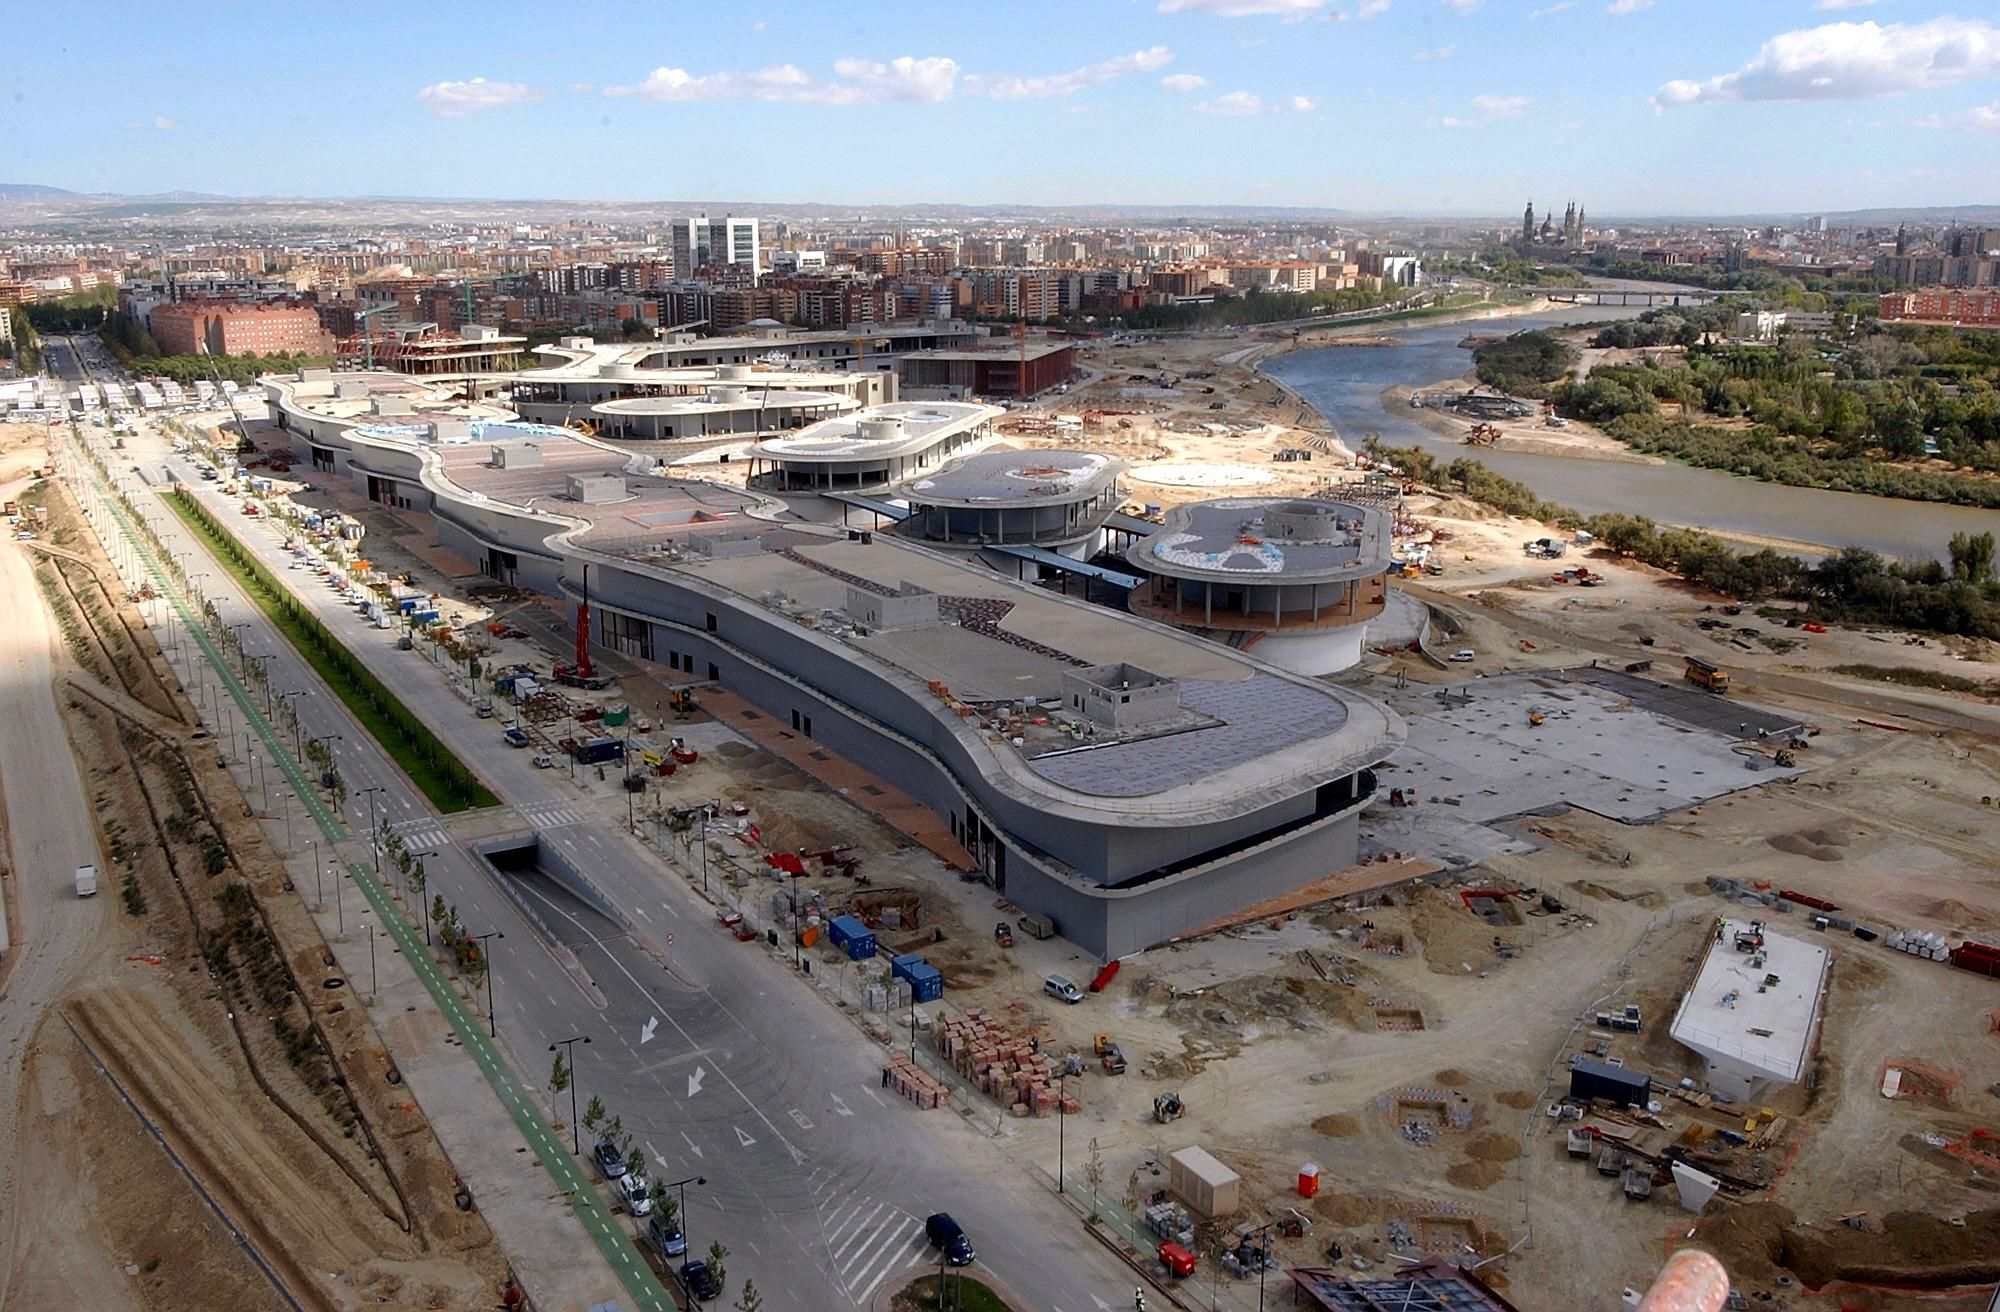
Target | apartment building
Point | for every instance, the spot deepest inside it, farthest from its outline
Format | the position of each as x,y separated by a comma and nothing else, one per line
1944,305
236,328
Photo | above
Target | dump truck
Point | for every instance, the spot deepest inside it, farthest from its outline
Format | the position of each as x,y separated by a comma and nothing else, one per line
1707,675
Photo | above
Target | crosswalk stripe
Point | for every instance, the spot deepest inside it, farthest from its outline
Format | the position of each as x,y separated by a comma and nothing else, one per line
885,1259
906,1257
846,1240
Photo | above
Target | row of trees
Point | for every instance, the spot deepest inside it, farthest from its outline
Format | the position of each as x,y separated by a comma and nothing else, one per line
432,766
1853,584
603,1127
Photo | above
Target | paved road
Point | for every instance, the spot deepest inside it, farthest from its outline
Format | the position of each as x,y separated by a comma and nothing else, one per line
723,1066
49,835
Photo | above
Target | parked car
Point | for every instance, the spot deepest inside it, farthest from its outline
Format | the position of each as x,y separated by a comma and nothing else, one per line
671,1240
1060,987
1464,656
637,1191
609,1160
513,736
947,1235
699,1281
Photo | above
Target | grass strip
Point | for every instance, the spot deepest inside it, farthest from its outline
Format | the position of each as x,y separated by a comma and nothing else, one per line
431,766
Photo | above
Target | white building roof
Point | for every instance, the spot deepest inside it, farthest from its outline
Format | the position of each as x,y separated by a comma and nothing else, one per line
1731,1015
900,428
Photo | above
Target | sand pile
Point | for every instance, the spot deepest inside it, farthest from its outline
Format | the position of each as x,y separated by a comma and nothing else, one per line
1338,1126
1472,1174
1820,843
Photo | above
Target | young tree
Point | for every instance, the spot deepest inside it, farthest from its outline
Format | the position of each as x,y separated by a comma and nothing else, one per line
593,1113
717,1254
559,1077
749,1300
635,1160
665,1206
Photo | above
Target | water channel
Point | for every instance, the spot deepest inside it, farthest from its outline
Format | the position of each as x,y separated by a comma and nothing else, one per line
1344,384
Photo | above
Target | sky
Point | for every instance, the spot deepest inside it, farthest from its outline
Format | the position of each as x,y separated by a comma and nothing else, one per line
1395,106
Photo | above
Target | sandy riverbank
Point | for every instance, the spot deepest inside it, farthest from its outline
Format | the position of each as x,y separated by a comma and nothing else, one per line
1531,436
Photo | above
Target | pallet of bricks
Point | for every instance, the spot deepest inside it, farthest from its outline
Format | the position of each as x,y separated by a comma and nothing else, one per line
1005,1066
908,1079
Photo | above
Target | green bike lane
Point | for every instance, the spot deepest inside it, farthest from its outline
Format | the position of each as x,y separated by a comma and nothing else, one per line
632,1272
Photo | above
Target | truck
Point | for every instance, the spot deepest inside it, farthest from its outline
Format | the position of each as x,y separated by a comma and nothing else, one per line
1706,674
86,881
597,751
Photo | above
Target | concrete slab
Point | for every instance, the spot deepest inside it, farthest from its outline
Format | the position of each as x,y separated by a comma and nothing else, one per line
1475,758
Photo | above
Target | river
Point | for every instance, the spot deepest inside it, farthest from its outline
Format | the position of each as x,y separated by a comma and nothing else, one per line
1344,384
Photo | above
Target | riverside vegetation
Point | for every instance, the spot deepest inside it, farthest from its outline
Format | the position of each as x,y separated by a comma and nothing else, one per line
1853,584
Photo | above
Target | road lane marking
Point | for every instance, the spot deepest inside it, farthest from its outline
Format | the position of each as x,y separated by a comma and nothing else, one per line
694,1087
691,1144
646,1030
747,1140
800,1117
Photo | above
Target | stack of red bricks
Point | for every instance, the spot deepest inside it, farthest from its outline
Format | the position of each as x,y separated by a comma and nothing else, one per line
910,1080
1005,1066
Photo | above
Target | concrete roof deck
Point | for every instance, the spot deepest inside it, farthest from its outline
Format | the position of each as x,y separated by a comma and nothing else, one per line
1729,1012
1238,540
427,399
1000,350
920,426
653,508
1253,735
997,479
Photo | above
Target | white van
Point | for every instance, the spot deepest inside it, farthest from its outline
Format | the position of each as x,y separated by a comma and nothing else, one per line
86,881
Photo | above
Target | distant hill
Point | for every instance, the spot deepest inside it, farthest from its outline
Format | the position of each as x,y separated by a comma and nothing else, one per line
36,191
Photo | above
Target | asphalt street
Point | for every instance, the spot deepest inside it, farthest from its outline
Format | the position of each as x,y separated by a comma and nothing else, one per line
718,1062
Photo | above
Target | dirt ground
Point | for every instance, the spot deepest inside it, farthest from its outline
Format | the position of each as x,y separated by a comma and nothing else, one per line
209,1016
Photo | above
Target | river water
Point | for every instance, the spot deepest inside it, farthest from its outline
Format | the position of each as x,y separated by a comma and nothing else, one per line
1344,384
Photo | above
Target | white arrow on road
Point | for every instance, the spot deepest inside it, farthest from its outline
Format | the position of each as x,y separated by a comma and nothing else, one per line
658,1160
692,1146
646,1032
694,1080
840,1106
747,1140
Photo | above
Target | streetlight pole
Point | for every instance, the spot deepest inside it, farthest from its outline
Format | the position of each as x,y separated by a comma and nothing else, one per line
492,1018
242,657
289,797
374,835
319,890
569,1055
704,850
373,979
1062,1123
797,919
682,1186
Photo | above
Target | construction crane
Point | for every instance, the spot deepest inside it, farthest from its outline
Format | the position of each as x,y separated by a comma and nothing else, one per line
367,339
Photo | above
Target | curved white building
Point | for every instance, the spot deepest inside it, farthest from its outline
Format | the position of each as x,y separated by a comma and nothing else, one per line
1052,500
1296,579
868,450
1122,778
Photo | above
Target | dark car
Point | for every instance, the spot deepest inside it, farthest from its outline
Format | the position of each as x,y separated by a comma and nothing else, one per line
698,1280
609,1160
947,1234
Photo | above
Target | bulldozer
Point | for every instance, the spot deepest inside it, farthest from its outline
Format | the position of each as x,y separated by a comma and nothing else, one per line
1168,1107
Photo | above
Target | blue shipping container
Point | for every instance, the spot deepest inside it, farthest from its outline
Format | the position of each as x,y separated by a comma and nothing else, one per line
926,984
849,933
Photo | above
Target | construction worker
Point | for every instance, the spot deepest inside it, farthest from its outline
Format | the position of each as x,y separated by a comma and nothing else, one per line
1138,1299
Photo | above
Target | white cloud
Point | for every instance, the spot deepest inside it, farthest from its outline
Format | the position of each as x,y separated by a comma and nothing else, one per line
477,96
1007,86
1248,102
1979,118
1371,8
1622,7
1182,83
583,88
855,82
1236,102
162,123
1488,108
1293,9
759,25
1442,52
1462,6
1852,61
1555,8
1843,4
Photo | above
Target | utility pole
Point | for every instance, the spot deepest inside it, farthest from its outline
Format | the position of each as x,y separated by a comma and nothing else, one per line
492,1018
569,1058
374,835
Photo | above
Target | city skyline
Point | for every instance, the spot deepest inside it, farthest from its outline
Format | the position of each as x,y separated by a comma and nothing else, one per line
1448,107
